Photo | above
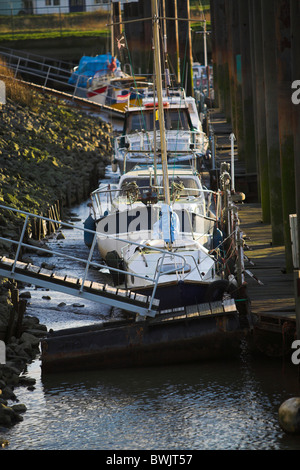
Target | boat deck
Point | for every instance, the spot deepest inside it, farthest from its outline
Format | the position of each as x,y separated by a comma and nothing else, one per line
271,290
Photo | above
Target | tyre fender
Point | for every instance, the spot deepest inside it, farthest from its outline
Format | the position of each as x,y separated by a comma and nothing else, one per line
217,289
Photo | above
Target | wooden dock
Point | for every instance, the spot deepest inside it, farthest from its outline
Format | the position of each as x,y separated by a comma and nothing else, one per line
270,288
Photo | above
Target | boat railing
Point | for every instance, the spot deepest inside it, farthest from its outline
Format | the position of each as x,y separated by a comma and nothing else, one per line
182,270
178,140
24,244
111,195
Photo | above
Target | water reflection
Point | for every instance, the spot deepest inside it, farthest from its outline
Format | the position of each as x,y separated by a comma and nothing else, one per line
230,405
212,405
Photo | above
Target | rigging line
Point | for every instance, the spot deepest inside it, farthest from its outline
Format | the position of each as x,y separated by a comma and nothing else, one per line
190,20
135,84
178,121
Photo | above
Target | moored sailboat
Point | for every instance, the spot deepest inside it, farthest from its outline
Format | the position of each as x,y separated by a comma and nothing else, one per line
162,236
185,333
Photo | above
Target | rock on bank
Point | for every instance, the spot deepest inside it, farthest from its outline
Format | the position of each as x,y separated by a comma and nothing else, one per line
51,156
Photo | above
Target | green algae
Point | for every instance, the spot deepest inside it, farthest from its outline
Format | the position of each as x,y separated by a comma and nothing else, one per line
49,152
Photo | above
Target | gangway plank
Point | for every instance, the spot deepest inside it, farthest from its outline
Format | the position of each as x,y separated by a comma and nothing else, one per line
89,290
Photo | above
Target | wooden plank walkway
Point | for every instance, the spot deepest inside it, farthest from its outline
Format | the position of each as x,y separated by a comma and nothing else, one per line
276,296
273,301
98,292
244,182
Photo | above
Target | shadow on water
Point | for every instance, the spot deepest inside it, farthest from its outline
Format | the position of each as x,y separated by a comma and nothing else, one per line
212,405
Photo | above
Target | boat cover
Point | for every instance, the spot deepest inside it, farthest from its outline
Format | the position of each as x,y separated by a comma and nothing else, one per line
88,66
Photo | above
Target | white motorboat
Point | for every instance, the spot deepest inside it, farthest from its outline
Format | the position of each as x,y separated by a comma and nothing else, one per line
140,142
116,89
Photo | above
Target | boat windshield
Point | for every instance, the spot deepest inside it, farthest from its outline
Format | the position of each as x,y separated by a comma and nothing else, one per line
175,119
185,186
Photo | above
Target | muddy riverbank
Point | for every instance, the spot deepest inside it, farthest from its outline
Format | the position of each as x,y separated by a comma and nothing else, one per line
52,156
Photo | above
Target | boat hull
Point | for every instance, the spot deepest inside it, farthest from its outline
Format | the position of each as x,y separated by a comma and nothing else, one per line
147,343
183,293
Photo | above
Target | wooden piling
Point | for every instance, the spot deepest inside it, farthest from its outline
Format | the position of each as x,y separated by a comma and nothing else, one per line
270,99
295,51
220,54
247,94
285,120
260,109
233,44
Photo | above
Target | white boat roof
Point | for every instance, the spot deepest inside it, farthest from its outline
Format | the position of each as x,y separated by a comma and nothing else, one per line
169,105
178,170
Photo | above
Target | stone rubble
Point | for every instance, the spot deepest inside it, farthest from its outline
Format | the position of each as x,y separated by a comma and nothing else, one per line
52,156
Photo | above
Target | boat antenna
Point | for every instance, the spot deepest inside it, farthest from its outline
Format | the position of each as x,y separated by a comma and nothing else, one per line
165,49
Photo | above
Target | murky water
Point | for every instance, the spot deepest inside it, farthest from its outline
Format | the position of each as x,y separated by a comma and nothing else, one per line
208,406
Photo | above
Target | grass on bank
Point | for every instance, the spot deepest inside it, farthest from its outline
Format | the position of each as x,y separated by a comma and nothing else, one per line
15,90
20,36
79,24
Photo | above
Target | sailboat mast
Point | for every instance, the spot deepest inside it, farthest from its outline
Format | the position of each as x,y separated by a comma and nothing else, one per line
158,82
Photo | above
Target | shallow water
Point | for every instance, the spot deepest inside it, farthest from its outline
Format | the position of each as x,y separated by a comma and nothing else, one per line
211,406
207,406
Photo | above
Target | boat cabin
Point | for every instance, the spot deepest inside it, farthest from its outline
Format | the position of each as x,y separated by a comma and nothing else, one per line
176,118
183,182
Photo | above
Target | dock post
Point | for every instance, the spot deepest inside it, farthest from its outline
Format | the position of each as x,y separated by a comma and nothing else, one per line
295,34
297,300
271,110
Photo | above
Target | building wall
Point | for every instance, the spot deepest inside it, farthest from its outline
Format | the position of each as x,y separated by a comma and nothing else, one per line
12,7
39,7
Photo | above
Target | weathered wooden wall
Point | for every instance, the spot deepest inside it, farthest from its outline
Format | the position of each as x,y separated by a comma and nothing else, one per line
256,59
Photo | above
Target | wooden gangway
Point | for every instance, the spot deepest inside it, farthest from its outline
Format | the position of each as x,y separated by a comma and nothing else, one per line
16,269
85,289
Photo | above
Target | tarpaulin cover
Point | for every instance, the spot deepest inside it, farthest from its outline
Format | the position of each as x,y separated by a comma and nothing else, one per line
88,66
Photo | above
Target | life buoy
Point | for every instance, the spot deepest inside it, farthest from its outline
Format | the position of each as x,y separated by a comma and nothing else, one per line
217,289
151,105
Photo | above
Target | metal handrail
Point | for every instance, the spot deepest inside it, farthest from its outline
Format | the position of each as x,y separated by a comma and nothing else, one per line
96,197
106,189
49,72
20,243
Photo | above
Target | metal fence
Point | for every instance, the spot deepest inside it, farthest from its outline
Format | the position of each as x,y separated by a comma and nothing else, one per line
76,16
52,7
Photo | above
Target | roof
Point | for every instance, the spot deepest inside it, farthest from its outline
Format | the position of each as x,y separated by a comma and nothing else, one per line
143,170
